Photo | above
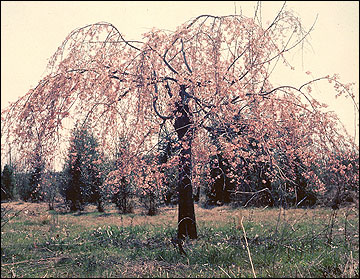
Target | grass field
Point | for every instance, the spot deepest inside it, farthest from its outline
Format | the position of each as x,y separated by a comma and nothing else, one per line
279,243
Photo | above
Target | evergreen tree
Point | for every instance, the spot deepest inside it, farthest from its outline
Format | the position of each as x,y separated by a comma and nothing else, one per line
82,173
7,183
120,183
167,150
34,185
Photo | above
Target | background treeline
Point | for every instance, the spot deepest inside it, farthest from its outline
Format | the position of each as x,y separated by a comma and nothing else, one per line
90,177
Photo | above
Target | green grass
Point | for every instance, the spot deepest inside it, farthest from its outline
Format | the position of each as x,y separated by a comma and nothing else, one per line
287,243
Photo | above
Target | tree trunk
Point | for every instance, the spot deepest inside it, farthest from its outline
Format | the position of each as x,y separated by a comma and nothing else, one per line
182,125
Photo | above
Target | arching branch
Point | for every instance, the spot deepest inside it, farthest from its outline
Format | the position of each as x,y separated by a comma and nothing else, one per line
157,112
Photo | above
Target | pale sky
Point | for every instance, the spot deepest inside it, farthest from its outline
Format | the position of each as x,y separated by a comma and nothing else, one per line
31,31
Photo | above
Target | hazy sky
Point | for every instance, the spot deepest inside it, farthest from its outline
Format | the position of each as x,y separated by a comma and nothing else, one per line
31,31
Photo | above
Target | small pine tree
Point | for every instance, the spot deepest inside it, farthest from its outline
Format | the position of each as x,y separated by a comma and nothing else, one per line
82,179
170,172
123,196
34,184
7,183
119,183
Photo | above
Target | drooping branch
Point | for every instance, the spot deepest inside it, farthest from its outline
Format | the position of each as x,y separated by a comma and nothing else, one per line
184,55
157,112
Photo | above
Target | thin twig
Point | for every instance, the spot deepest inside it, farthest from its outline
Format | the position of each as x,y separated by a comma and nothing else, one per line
247,247
224,272
31,261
